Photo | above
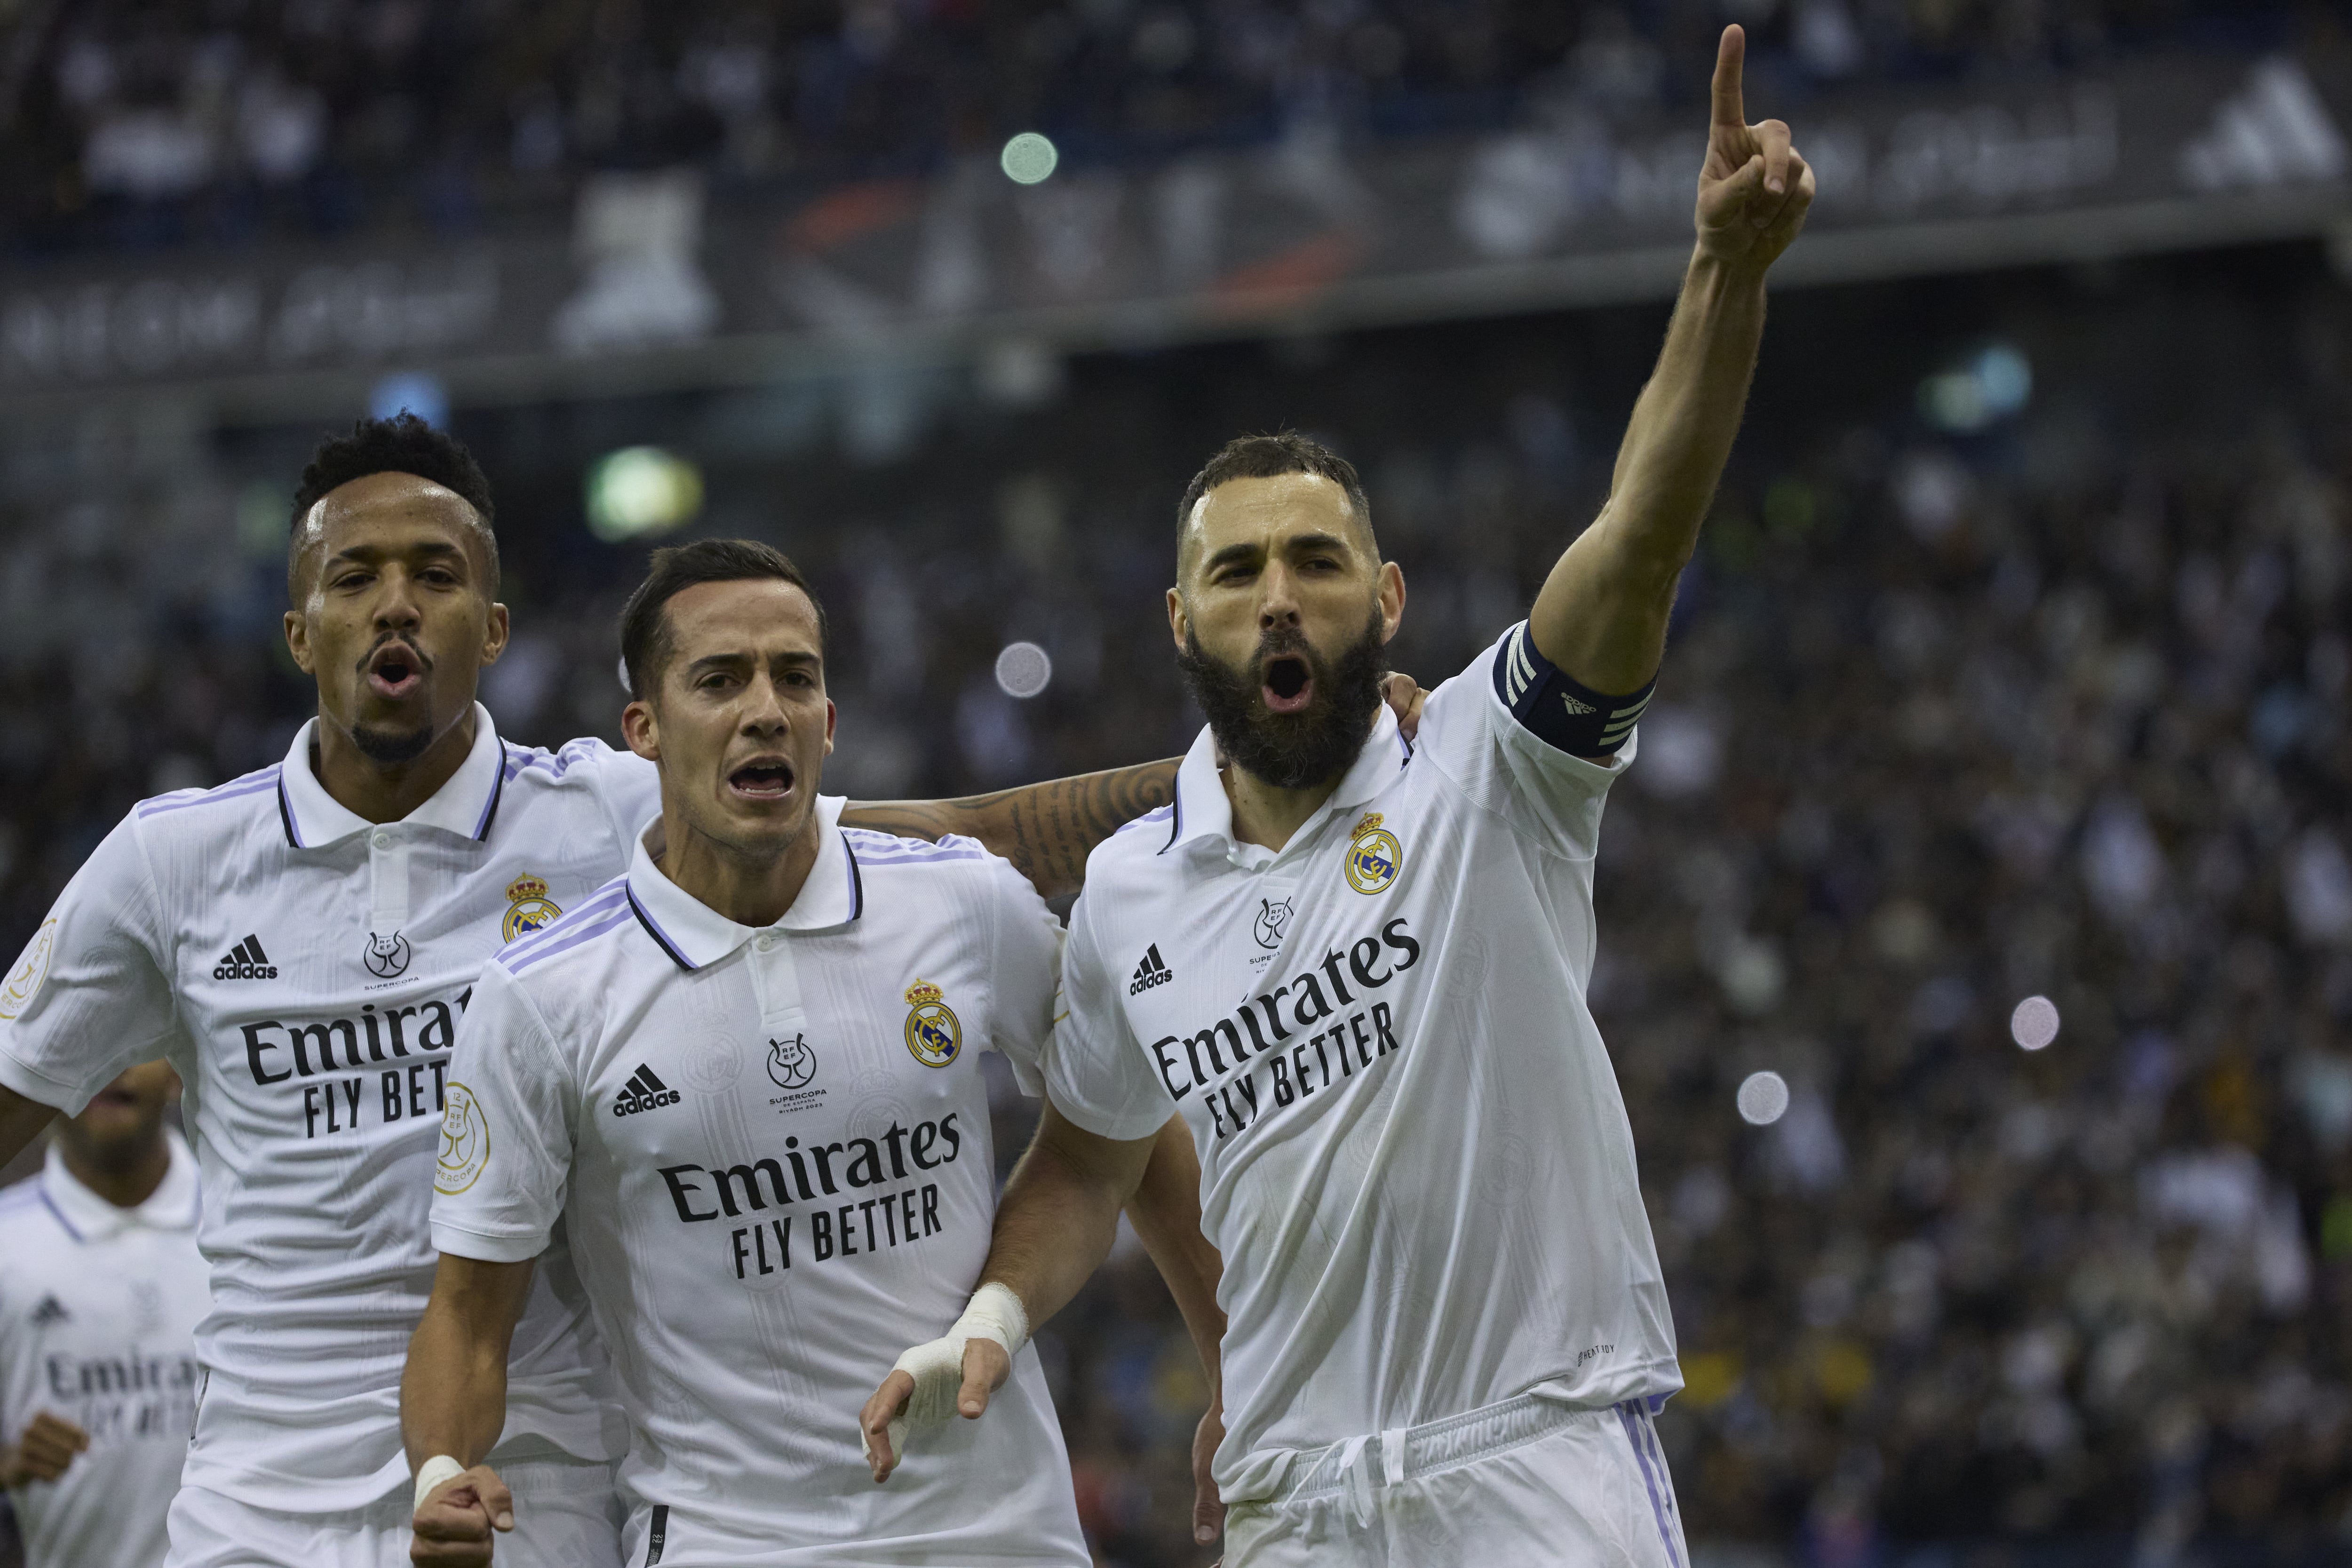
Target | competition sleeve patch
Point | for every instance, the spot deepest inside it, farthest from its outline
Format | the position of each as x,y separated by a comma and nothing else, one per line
1555,710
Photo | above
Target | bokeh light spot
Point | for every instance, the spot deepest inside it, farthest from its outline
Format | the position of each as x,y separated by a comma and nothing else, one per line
1763,1098
1023,669
2034,1024
1029,159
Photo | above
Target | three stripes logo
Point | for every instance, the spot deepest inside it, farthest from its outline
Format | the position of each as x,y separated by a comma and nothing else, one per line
644,1091
1153,971
51,1311
246,960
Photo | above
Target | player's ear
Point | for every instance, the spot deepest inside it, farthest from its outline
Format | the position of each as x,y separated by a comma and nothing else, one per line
1178,622
642,731
1392,598
494,636
832,714
298,640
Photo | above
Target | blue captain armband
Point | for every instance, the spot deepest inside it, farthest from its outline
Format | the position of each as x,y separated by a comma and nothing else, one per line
1555,710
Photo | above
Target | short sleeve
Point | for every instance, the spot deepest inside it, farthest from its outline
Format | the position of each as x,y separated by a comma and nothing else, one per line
1027,973
1474,738
91,993
506,1135
1096,1073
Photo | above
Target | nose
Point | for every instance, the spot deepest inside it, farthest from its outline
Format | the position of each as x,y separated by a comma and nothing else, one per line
396,607
1277,603
764,709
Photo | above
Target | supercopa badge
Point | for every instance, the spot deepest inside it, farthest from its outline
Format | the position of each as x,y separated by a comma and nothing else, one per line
933,1035
1374,856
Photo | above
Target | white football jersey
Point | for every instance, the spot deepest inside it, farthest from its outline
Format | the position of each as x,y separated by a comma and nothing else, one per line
1413,1153
305,971
99,1307
770,1149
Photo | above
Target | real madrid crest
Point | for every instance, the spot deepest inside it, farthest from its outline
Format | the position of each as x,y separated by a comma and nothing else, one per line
932,1033
527,908
1374,856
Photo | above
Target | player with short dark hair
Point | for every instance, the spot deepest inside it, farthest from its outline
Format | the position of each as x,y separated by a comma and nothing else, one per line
300,943
743,1079
1357,967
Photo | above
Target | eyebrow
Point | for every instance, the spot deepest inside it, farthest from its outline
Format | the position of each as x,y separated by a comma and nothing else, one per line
724,661
1244,551
380,552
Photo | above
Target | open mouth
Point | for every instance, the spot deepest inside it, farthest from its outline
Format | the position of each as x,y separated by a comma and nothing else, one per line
395,671
766,779
1289,684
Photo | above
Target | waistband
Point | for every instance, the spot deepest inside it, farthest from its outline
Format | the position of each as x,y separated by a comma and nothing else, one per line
1352,1469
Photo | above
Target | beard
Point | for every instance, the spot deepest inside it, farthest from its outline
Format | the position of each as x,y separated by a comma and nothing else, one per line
390,748
1291,750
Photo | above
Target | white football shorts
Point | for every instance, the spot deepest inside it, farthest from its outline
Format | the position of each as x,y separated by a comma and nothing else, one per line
566,1516
1524,1483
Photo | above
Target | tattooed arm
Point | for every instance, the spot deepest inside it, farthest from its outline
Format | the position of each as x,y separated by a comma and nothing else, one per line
1046,830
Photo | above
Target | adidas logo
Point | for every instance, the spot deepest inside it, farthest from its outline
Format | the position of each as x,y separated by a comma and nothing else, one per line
1153,971
246,960
1574,706
50,1310
644,1091
2274,130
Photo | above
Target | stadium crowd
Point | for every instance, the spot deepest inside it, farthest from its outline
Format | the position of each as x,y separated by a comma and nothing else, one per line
218,120
1952,718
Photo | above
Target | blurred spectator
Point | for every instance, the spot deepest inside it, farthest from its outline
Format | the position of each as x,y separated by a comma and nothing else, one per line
141,123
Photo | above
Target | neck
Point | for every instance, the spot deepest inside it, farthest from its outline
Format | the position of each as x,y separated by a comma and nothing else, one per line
125,1180
750,892
1267,814
374,792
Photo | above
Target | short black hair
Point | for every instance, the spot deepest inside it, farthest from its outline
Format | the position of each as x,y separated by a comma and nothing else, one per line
403,444
646,641
1263,458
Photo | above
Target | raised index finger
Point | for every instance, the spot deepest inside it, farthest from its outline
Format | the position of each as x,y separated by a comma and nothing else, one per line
1728,57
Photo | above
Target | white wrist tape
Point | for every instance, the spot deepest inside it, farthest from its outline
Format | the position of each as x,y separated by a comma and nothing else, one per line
433,1472
994,1312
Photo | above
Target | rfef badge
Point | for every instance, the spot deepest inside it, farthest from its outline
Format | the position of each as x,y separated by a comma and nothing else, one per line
527,908
1374,856
932,1033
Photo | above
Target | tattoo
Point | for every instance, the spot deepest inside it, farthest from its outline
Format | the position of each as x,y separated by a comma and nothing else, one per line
1046,830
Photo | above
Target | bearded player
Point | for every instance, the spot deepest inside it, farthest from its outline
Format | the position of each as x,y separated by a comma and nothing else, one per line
1357,968
300,943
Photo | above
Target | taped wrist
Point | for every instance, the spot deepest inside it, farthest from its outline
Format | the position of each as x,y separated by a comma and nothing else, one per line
1557,711
994,1312
432,1473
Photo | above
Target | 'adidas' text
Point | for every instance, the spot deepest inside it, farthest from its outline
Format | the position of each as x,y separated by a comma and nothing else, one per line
246,960
1153,971
644,1091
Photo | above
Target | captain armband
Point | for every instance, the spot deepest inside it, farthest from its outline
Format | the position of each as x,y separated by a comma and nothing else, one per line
1555,710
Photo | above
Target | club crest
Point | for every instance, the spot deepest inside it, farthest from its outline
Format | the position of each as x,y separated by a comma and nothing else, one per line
933,1035
1374,856
527,908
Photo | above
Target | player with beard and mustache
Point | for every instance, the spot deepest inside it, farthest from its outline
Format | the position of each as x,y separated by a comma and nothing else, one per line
1357,968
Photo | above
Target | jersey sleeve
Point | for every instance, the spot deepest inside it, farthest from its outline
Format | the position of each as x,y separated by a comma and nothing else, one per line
630,787
1489,730
506,1130
1096,1073
1027,974
91,993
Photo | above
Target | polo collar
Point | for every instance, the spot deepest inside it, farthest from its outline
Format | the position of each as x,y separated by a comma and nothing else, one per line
696,936
89,1218
465,806
1202,811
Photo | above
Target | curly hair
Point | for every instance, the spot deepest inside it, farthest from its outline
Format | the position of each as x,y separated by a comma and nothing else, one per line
401,444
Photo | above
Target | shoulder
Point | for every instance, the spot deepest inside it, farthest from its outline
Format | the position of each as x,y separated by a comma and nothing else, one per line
952,858
1136,846
582,934
23,1216
585,764
223,807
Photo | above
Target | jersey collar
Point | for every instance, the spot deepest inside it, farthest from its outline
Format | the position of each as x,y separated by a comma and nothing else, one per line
696,936
1202,813
89,1218
465,806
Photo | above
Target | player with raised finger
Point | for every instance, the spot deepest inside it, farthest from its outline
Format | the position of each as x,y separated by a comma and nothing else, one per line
1357,968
